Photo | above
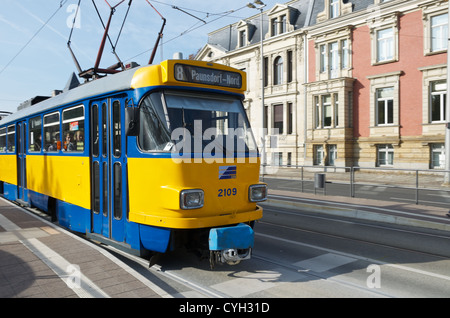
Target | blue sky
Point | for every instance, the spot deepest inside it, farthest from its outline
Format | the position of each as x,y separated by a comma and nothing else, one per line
35,60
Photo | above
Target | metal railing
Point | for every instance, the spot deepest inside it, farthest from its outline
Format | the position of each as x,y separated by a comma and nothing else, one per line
305,178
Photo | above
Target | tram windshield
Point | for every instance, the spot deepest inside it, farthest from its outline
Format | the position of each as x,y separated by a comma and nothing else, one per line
212,124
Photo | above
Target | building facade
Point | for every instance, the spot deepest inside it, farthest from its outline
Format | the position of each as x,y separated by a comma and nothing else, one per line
346,83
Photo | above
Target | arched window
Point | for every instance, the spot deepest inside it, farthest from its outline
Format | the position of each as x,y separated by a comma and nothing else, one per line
278,71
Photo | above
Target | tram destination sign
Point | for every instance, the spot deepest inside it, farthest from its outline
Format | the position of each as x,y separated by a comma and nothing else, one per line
207,76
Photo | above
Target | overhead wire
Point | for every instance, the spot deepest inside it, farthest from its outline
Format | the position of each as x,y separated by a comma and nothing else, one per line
61,4
192,28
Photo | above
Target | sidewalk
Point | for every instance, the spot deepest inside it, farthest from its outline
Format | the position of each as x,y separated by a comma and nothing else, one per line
426,179
375,210
40,260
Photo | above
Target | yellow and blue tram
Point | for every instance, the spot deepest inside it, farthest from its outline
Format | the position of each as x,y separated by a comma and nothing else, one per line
151,158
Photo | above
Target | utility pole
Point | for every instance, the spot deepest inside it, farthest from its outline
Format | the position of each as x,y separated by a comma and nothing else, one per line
263,135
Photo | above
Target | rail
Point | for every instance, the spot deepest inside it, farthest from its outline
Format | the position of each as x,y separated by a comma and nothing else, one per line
353,180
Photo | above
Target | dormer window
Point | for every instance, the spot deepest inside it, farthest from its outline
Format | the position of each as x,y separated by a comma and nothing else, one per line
242,38
334,9
274,27
281,17
245,32
283,24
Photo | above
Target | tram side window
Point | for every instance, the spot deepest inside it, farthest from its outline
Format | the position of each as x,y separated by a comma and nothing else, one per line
51,132
73,129
11,136
35,137
2,139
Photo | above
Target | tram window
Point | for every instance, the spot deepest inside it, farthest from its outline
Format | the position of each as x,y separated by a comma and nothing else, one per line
105,189
35,137
2,139
11,137
104,131
73,129
117,191
116,129
154,133
96,187
220,117
95,135
51,132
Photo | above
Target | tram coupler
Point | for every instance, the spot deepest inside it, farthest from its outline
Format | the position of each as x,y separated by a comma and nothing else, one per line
230,244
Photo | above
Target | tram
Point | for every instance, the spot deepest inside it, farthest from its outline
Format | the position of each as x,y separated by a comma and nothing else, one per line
151,159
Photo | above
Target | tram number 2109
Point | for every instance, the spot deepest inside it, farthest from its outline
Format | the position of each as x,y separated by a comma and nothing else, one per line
228,192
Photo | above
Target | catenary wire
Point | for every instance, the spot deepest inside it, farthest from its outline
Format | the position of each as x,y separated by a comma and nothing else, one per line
61,4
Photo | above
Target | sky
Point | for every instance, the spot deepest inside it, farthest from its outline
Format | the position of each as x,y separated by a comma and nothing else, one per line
35,60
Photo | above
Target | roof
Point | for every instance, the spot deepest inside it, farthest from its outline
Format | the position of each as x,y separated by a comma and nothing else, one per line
227,37
303,14
118,82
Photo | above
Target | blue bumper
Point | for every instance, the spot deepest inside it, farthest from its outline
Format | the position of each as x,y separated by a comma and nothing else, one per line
240,236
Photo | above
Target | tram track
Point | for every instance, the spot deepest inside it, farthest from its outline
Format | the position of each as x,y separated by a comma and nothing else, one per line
323,277
340,235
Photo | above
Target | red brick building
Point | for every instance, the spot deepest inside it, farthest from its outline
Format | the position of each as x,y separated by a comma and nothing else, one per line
381,73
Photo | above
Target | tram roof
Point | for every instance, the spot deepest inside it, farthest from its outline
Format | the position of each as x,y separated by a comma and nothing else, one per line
114,83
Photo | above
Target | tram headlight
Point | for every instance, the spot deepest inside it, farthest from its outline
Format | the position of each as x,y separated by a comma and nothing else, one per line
191,199
257,192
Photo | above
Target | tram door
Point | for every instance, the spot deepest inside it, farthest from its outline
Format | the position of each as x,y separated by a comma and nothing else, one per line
21,129
108,169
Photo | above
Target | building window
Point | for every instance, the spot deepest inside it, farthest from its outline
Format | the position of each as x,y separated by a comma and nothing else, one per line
242,38
439,32
274,24
323,58
438,98
326,111
385,106
318,155
385,155
334,56
334,59
283,24
277,158
345,55
266,117
278,119
290,119
385,45
316,112
334,8
290,66
332,155
437,156
266,71
336,110
278,71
